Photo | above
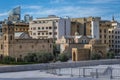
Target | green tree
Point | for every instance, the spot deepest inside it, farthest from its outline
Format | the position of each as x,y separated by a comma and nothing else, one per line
8,59
63,57
96,56
31,57
45,57
110,55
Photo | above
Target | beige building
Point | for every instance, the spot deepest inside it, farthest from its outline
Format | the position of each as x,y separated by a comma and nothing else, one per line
86,44
84,53
49,27
16,45
21,27
86,25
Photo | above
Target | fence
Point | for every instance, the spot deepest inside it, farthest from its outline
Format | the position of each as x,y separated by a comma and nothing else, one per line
108,72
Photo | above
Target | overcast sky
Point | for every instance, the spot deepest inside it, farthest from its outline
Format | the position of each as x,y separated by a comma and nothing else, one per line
71,8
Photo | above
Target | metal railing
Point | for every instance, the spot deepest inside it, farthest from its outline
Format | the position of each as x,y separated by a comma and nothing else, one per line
107,72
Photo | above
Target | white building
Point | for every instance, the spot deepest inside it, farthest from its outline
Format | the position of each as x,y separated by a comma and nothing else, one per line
95,28
50,27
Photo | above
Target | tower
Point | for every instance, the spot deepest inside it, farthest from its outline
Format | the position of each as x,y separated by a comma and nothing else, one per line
8,38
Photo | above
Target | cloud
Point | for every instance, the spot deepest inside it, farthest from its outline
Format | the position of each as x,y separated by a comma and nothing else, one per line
56,1
3,14
72,11
98,1
31,7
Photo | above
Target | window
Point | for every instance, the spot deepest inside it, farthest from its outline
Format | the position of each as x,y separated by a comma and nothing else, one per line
104,36
11,37
34,33
32,46
46,33
5,37
34,28
46,27
42,33
16,29
20,46
105,41
50,33
50,27
43,46
55,27
38,27
43,21
38,33
43,28
104,30
55,33
100,31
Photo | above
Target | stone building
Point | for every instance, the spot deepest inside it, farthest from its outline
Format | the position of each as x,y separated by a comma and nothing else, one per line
88,26
85,52
17,45
86,44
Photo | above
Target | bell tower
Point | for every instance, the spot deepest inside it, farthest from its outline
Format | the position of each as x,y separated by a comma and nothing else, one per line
8,37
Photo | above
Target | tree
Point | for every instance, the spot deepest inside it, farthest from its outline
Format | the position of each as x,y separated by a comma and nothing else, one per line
8,59
96,56
39,57
110,55
31,57
63,57
45,57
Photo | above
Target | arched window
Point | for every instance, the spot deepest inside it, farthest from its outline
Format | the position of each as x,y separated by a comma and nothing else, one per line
10,37
5,38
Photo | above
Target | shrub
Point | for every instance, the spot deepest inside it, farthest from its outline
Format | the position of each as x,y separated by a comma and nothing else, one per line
110,55
31,57
96,56
39,57
8,59
63,57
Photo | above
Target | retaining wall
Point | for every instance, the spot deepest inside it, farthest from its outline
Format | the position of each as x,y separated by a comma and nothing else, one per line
17,68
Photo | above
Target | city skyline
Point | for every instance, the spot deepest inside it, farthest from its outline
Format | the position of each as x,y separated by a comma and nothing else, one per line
80,8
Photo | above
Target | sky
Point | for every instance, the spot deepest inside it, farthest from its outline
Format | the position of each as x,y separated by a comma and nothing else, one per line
72,8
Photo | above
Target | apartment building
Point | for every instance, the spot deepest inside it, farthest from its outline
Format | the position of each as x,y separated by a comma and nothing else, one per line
87,26
49,27
114,38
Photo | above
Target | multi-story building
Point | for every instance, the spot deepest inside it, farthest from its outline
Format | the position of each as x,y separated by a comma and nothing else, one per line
15,14
114,38
49,27
28,18
19,45
87,26
21,27
104,27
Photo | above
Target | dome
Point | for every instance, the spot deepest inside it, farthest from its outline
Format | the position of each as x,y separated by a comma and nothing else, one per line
94,41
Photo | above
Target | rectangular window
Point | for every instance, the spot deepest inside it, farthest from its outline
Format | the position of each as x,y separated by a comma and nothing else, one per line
34,28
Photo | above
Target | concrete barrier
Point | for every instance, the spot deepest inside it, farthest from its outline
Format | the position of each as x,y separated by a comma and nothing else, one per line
17,68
